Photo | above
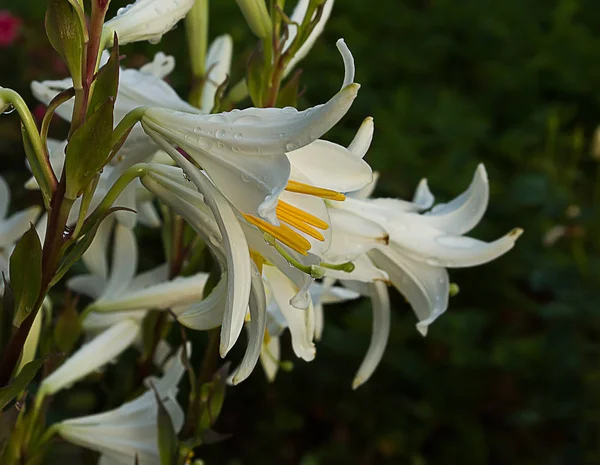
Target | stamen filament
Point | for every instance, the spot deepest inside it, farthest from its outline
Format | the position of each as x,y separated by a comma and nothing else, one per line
284,207
301,188
282,233
296,223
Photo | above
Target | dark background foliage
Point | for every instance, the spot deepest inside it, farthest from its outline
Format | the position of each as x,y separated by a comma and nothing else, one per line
510,374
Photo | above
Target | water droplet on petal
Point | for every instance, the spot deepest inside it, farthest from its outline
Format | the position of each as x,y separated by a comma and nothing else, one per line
198,130
9,109
221,133
237,135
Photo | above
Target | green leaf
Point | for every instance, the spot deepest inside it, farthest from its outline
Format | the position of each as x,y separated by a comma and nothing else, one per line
168,444
107,81
12,390
255,75
68,328
288,95
7,313
34,163
67,32
79,248
88,149
212,396
26,274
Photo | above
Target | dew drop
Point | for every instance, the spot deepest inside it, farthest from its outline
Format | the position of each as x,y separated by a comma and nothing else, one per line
235,149
9,109
221,133
198,130
220,145
237,135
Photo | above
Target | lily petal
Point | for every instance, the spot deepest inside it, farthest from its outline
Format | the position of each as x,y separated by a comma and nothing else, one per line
124,263
331,166
270,357
95,257
256,328
4,197
380,302
299,321
236,250
362,140
218,64
425,287
147,20
12,228
93,355
298,16
90,285
464,212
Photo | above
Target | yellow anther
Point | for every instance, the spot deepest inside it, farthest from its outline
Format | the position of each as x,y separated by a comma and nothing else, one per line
301,188
258,260
284,207
282,233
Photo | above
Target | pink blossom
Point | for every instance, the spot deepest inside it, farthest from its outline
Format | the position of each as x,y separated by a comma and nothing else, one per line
9,28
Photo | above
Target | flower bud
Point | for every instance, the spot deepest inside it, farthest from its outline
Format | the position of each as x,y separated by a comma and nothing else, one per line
257,16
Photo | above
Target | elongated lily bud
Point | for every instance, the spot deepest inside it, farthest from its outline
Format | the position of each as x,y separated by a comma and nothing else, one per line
257,16
147,20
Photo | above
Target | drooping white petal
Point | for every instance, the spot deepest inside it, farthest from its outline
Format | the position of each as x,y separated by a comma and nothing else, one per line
96,322
124,263
91,356
330,166
362,140
256,328
180,291
218,65
300,322
12,228
147,20
297,17
464,212
4,198
206,313
95,257
236,249
131,430
380,302
90,285
425,287
269,357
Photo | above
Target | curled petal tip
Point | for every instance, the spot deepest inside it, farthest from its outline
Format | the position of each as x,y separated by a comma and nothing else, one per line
223,350
515,233
423,327
357,382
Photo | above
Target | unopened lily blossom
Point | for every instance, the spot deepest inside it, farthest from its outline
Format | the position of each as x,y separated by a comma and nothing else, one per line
185,240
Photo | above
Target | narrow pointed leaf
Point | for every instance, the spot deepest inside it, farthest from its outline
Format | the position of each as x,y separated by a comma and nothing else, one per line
12,390
168,444
88,149
107,81
26,273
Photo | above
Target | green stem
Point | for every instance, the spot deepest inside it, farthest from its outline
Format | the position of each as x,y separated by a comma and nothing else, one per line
40,165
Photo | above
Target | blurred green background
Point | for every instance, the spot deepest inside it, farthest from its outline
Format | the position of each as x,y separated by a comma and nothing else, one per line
510,375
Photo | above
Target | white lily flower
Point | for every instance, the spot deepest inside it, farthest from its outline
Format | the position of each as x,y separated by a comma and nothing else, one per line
297,17
244,151
102,349
217,65
137,88
422,244
147,20
131,430
218,308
